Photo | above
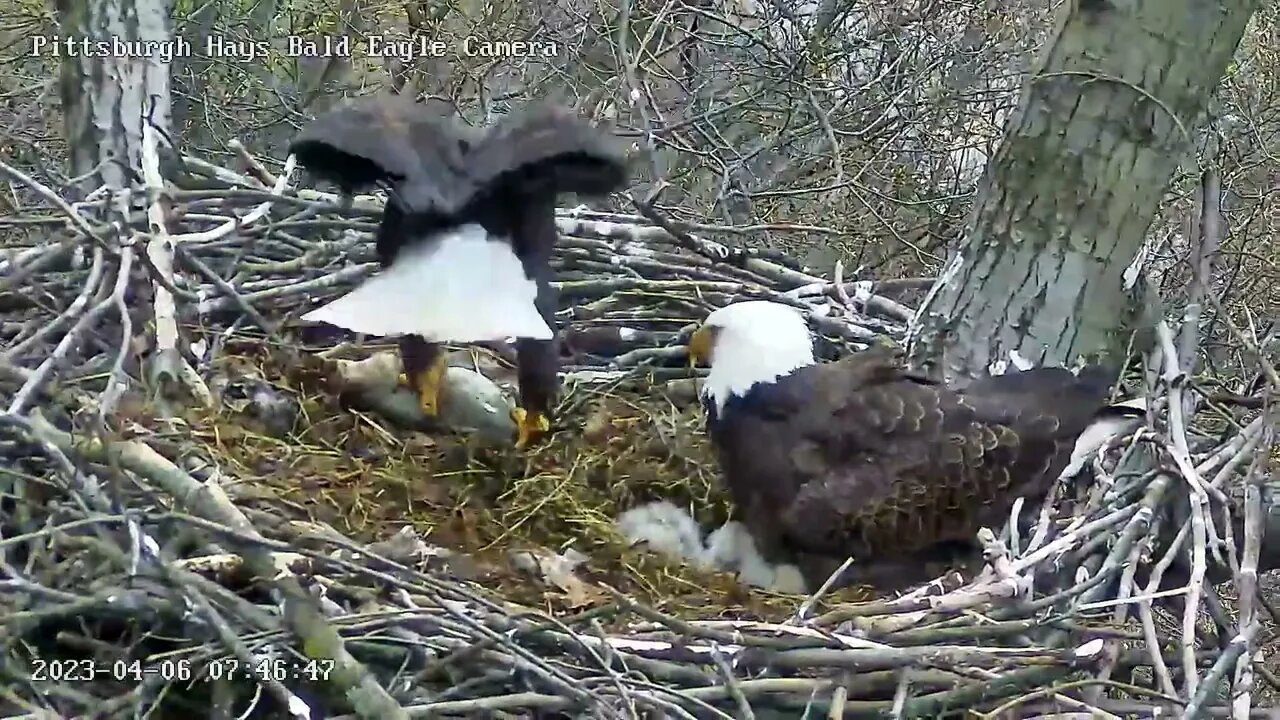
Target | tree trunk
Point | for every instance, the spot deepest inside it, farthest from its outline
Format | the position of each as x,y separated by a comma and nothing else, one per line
112,87
107,96
1102,123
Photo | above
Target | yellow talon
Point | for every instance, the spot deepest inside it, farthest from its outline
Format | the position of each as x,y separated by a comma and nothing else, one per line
530,426
428,386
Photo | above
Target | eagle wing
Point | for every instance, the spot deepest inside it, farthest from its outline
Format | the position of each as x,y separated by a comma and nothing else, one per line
897,463
547,150
417,151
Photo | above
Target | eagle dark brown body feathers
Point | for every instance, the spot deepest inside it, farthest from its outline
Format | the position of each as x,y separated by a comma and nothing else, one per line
417,149
862,458
435,163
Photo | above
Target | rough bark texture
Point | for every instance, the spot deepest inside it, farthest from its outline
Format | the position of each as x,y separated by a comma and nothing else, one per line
1102,124
1100,128
108,93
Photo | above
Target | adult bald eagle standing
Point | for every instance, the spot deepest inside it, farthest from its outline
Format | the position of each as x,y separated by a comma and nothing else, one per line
466,238
864,458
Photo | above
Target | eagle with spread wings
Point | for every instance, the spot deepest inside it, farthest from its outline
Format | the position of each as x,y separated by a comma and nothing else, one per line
466,238
864,458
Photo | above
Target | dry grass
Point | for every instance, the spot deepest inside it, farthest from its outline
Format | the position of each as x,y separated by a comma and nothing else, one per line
611,450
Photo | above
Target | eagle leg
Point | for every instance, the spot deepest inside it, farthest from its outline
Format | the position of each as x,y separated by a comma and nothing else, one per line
530,426
424,366
537,381
538,360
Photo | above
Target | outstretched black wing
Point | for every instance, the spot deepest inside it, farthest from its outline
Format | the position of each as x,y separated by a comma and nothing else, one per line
547,150
417,151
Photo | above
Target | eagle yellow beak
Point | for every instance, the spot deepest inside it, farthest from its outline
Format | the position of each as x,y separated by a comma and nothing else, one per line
700,345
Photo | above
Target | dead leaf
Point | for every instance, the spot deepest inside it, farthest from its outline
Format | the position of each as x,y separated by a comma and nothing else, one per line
557,571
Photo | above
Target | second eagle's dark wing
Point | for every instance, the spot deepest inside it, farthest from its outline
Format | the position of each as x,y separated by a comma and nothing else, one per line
545,150
416,151
899,465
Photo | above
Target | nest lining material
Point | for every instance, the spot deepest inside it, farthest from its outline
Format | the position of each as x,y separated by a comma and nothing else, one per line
225,534
618,449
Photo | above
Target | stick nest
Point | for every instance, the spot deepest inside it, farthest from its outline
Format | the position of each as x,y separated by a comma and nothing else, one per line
368,480
192,499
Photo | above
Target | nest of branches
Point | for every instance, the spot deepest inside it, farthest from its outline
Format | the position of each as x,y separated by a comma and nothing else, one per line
207,510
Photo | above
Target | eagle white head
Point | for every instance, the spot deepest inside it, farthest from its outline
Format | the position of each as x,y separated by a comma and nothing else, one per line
747,343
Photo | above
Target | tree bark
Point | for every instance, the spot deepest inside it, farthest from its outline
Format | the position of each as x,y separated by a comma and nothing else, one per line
113,84
108,95
1102,123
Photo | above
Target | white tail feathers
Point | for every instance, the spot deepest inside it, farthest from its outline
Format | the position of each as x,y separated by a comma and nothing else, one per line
1112,421
462,286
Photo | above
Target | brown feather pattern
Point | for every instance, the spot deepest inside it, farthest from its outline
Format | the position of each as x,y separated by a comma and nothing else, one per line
862,458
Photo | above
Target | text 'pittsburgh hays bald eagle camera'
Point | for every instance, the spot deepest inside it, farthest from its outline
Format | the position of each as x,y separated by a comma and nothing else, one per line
467,234
864,458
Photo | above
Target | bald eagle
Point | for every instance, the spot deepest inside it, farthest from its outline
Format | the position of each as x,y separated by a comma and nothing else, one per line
864,458
467,234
